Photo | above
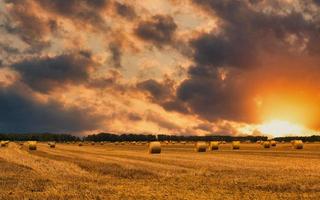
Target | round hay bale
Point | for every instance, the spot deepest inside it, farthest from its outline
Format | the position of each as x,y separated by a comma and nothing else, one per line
52,144
32,145
101,143
273,143
3,144
201,147
93,143
236,145
80,144
214,145
266,145
154,147
298,144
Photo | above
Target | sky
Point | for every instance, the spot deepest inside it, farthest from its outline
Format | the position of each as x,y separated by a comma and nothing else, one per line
186,67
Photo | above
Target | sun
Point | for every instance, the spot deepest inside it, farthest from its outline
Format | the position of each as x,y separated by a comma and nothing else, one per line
278,128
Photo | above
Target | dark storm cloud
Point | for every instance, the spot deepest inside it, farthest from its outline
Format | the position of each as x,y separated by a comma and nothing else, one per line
246,33
215,99
46,74
125,11
246,39
162,94
160,30
20,112
157,90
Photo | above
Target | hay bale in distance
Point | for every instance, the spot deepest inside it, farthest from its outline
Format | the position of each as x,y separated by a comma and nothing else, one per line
154,147
273,143
80,144
266,145
298,144
4,143
201,147
236,145
52,144
32,145
214,145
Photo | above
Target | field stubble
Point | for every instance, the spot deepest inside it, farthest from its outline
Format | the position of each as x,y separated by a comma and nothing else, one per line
129,172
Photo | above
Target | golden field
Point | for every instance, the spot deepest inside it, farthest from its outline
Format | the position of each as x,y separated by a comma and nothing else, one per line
128,171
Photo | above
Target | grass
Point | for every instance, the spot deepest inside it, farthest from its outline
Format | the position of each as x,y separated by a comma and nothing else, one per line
129,172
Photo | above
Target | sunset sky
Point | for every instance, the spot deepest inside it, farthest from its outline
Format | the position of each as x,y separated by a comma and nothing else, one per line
185,67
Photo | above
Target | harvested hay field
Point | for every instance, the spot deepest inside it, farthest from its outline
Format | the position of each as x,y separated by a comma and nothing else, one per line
129,172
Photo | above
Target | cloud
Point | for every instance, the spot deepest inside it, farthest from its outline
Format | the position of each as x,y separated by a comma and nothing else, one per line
134,117
116,54
161,121
236,56
159,30
316,2
21,112
22,20
223,82
250,50
126,11
46,74
86,12
247,33
162,94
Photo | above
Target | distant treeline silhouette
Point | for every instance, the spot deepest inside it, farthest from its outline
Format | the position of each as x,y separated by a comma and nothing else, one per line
161,137
142,137
314,138
38,137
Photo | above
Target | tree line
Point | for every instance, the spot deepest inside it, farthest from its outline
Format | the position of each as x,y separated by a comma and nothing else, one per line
162,137
111,137
42,137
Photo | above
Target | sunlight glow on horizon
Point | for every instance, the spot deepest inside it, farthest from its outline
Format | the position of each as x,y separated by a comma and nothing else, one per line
280,128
